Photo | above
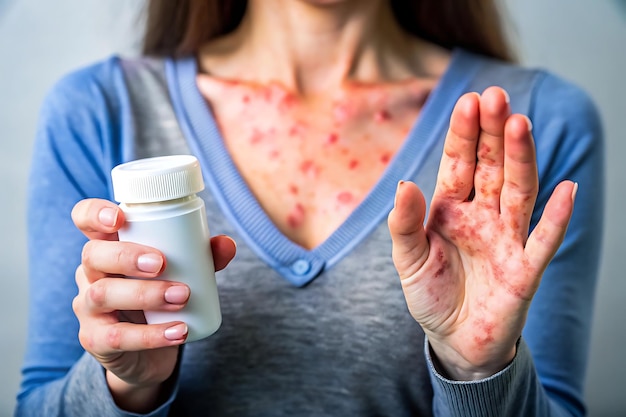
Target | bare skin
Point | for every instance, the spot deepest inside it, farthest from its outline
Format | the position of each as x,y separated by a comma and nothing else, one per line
470,274
312,112
310,163
312,133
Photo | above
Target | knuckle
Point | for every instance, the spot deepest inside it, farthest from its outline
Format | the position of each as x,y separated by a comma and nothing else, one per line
86,340
79,276
77,213
142,294
87,253
97,293
150,338
124,256
114,337
77,305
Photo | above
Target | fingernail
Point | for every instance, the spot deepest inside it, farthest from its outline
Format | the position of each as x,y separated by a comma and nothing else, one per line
529,123
229,238
177,294
395,201
574,191
108,216
507,98
149,262
176,332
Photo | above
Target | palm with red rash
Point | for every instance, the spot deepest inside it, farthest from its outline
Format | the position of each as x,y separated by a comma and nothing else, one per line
470,273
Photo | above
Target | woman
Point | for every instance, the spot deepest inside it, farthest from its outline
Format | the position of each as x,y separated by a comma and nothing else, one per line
307,116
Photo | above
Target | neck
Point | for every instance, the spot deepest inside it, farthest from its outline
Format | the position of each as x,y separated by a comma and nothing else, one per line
311,48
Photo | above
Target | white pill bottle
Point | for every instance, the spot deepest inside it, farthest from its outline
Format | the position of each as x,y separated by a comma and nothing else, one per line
158,198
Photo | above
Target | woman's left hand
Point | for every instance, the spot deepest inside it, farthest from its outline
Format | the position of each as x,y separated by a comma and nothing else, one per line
470,274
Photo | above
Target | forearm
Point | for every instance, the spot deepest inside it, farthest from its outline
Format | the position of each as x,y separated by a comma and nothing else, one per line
83,392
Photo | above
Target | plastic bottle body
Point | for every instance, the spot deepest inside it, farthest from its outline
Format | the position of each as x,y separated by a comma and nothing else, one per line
180,231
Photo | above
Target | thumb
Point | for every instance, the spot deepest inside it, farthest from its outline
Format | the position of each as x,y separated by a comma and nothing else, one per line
548,235
406,226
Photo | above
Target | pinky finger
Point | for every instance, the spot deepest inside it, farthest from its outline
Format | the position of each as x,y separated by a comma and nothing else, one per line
548,235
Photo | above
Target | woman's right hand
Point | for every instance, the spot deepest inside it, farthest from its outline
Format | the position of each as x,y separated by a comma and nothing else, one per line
138,357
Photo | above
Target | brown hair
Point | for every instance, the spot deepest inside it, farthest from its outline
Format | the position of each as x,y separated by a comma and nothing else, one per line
180,27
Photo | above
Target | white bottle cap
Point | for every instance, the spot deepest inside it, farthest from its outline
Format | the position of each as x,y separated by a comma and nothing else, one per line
157,179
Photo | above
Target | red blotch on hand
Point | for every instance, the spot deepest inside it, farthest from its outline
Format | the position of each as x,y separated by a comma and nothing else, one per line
246,99
485,335
353,164
293,189
296,217
385,158
443,264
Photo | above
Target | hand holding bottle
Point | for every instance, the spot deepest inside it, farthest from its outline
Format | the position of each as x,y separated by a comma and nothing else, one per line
138,357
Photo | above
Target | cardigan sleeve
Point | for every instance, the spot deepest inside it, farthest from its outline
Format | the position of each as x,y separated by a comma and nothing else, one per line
79,139
546,378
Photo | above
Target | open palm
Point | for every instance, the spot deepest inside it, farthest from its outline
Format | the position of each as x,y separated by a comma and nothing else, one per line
470,274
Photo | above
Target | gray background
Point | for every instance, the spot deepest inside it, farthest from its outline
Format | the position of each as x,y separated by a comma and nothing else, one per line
582,40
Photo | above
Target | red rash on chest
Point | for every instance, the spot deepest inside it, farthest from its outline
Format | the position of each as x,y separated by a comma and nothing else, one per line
332,138
382,116
311,158
345,197
309,169
295,218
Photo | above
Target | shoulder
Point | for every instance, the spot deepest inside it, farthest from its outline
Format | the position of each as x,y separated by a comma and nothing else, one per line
85,82
537,92
102,83
559,109
558,103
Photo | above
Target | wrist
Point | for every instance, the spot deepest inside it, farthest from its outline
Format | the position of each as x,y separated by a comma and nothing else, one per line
133,398
453,365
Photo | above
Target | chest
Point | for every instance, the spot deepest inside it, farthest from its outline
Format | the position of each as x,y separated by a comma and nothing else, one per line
310,162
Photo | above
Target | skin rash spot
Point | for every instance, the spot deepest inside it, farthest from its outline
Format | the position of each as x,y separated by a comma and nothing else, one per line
385,158
309,168
332,138
485,335
274,154
297,129
296,217
444,264
345,197
353,164
382,116
256,137
343,112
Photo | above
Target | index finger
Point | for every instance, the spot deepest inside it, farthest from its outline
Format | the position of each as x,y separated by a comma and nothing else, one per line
97,218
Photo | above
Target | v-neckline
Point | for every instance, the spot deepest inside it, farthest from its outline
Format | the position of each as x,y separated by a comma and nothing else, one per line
296,264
